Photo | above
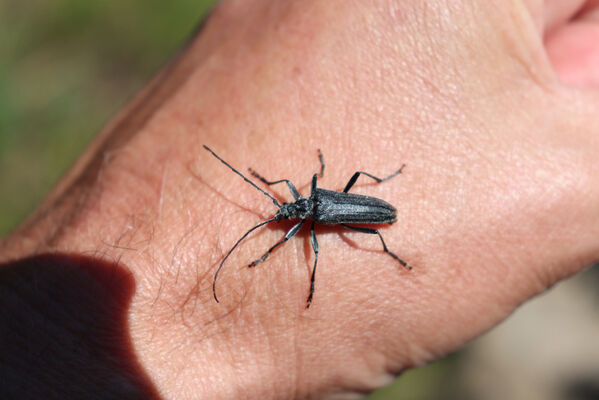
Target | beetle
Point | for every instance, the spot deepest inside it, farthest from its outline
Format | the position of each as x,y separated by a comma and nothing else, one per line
323,206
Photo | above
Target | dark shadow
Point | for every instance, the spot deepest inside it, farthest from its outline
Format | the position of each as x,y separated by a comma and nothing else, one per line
582,389
64,332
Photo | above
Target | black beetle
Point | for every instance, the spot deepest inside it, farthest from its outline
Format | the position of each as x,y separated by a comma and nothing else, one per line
325,207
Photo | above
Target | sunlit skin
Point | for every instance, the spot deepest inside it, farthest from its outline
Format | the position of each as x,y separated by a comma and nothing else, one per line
491,105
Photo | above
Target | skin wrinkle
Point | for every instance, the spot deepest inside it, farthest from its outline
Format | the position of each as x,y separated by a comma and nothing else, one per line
534,59
161,196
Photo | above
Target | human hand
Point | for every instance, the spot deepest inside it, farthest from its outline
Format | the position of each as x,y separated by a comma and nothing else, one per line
498,201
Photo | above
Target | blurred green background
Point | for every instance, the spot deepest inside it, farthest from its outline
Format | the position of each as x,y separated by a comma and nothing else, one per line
66,67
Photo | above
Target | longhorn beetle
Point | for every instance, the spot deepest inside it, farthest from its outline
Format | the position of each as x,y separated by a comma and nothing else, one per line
323,206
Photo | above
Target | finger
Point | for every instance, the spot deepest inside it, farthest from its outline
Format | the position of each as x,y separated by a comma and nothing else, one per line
573,48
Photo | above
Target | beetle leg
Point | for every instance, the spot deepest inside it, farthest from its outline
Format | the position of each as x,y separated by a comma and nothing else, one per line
290,185
315,247
375,232
355,176
321,159
294,229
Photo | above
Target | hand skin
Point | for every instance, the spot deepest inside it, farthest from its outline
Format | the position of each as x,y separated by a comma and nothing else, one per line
499,199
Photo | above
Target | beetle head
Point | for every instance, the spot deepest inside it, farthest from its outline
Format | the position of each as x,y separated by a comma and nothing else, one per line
302,209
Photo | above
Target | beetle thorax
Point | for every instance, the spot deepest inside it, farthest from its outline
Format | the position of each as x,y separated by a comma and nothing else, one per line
301,209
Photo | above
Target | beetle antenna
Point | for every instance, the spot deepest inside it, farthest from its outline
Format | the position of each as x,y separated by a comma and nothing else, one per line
233,248
276,203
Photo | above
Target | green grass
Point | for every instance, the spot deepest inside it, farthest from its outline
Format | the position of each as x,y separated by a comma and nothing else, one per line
66,67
